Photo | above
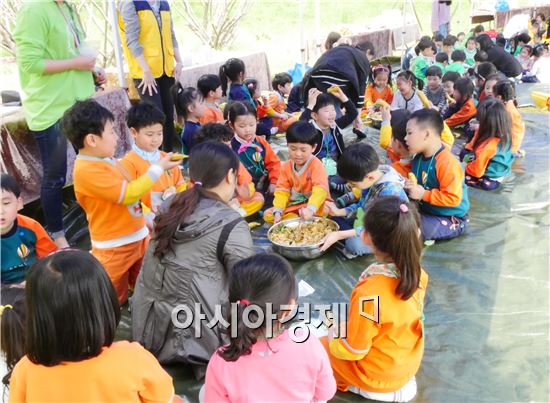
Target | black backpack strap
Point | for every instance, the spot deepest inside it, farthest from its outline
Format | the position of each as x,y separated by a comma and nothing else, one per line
226,230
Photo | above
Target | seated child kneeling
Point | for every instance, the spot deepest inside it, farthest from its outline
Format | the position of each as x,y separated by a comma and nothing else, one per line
70,350
359,166
282,369
247,200
489,155
109,195
379,357
302,188
145,121
438,184
24,240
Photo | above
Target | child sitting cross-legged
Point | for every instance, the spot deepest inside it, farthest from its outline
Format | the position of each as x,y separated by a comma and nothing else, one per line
321,113
489,155
254,151
464,107
210,86
282,85
247,201
145,121
392,139
381,350
438,182
109,194
359,165
302,188
434,91
459,58
23,239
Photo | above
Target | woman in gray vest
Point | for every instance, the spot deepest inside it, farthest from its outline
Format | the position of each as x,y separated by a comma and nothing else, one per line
198,239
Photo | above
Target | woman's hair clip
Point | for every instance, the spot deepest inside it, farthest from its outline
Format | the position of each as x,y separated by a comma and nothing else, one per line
380,67
404,208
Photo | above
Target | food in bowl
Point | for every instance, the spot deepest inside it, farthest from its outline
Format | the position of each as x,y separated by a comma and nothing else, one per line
302,234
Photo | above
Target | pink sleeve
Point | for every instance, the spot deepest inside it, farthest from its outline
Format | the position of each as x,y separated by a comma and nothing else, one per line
325,386
214,388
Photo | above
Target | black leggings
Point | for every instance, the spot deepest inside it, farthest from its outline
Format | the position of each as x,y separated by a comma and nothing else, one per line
163,100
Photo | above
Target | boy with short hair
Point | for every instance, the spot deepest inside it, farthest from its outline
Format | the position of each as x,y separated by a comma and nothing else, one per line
108,193
424,60
210,86
438,41
247,200
449,44
302,188
145,121
438,182
434,90
470,51
24,240
282,85
360,167
321,113
458,57
442,61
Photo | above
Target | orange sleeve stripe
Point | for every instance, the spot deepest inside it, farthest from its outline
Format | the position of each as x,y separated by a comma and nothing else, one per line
484,152
272,162
450,177
465,113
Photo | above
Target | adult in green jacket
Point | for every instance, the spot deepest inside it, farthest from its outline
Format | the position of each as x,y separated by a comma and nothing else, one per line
54,71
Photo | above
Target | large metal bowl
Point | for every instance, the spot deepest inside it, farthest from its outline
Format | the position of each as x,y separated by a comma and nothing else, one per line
298,252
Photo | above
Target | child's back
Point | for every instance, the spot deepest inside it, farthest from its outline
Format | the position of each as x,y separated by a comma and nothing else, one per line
277,370
267,363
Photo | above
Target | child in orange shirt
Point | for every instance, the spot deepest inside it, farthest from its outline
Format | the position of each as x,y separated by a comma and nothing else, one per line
145,121
210,86
302,188
504,91
380,85
109,194
282,85
70,350
254,152
464,109
24,240
438,179
392,138
247,201
489,156
382,348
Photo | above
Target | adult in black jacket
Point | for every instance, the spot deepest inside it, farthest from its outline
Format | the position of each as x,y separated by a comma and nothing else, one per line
503,61
344,65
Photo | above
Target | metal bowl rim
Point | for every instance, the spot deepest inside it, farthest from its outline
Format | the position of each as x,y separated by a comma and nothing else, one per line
303,247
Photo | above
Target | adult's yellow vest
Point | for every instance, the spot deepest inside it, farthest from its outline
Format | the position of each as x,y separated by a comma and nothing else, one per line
157,44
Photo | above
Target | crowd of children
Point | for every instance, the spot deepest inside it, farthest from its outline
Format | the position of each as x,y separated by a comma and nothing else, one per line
419,194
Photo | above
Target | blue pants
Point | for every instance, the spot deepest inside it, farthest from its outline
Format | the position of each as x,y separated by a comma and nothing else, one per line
52,145
484,183
437,228
355,245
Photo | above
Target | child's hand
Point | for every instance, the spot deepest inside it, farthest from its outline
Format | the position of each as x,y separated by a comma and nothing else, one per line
312,95
331,239
306,214
386,113
276,218
166,163
271,189
335,211
415,191
338,93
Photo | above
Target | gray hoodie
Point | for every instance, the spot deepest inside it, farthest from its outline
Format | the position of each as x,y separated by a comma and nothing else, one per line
193,274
